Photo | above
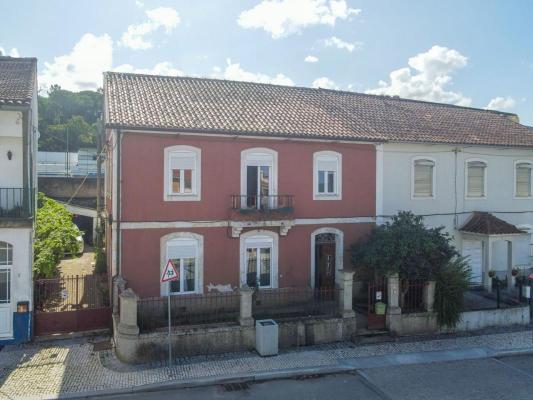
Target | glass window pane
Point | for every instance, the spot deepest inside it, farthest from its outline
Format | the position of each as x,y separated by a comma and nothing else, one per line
423,180
187,180
175,285
476,181
251,267
6,253
4,286
188,274
321,182
264,180
251,186
264,277
331,182
176,180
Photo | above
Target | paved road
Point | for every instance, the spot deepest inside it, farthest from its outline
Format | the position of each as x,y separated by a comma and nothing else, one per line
504,378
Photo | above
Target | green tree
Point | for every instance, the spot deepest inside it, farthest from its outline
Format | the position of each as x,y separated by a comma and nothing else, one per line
405,246
55,235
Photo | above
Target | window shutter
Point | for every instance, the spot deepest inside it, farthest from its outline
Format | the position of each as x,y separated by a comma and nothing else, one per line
182,160
423,178
476,179
181,249
523,180
327,164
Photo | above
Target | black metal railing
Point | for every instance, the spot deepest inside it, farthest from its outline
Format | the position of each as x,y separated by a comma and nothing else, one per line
412,297
188,309
16,202
263,203
294,303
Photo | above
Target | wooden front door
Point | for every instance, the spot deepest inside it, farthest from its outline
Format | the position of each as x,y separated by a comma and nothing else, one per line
325,265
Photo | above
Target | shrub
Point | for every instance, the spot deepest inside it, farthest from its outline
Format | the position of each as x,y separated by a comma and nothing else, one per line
451,284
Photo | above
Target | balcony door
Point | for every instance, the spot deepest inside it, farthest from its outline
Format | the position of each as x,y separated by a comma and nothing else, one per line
258,179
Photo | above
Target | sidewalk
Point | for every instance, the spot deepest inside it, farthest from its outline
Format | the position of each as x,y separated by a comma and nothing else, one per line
71,368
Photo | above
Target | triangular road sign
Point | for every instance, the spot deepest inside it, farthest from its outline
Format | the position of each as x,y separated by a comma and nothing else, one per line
170,273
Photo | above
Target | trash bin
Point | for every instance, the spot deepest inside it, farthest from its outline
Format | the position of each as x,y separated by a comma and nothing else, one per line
266,337
380,308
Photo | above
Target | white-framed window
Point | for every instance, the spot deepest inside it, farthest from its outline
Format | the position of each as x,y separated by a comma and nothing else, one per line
6,261
182,173
185,250
423,178
258,178
259,259
327,175
523,171
476,179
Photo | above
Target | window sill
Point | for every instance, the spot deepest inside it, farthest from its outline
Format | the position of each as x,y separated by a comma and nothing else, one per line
423,197
182,197
327,197
476,198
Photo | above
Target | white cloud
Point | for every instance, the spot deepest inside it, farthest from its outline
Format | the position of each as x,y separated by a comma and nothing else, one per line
233,71
341,44
13,53
284,17
501,103
162,68
82,68
311,59
426,77
135,36
324,83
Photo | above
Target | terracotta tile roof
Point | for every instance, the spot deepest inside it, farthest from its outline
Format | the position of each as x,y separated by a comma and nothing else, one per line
17,80
485,223
209,105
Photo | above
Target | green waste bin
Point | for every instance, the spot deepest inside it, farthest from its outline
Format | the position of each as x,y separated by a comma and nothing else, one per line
380,308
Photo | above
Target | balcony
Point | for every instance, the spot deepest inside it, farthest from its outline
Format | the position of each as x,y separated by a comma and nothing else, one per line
263,206
16,203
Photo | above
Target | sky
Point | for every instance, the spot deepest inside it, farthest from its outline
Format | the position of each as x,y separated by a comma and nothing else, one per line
476,53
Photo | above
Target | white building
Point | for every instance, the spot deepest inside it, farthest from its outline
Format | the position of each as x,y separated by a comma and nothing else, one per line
18,149
474,177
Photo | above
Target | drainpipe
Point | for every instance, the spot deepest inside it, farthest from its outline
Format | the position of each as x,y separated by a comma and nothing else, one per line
117,217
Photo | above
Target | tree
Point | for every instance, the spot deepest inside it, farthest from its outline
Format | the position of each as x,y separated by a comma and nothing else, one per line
405,246
55,235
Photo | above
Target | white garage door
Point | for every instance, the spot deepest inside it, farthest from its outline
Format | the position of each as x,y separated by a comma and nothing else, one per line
473,250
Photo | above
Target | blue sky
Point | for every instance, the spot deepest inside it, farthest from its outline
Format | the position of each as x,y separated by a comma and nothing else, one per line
476,53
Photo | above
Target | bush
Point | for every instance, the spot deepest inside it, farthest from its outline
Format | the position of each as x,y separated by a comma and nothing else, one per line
55,235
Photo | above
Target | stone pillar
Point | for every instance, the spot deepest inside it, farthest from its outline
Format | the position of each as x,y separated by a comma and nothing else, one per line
119,285
346,294
394,312
245,313
429,295
127,335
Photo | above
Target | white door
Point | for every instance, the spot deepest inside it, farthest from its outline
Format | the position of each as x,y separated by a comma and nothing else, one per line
6,315
473,250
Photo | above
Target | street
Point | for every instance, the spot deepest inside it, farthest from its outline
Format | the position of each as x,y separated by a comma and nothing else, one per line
493,378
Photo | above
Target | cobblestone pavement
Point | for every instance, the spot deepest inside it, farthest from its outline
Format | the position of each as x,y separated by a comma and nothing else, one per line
65,368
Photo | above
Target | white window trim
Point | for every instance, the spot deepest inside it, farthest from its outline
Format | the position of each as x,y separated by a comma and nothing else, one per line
199,267
251,154
257,235
485,187
338,181
434,178
9,268
515,197
196,184
339,252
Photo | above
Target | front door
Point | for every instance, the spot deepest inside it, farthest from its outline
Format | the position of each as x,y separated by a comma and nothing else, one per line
473,251
6,315
325,261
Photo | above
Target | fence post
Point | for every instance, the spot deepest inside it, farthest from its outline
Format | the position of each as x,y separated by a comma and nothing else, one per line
245,309
429,295
346,295
127,334
119,285
394,312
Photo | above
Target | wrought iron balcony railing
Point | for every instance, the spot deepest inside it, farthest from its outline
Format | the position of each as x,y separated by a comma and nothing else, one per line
16,203
260,203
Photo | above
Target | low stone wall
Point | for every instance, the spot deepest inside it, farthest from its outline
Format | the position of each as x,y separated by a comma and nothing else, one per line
224,338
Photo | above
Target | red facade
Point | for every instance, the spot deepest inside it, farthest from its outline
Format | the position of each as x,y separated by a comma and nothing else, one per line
142,204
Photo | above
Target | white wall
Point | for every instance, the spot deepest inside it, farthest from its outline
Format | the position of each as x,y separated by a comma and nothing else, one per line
21,273
11,171
450,187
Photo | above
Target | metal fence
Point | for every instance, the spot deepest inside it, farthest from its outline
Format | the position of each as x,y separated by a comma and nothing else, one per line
264,203
193,309
69,293
294,303
16,202
412,297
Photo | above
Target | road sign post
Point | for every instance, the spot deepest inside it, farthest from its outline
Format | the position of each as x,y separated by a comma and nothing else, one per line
170,273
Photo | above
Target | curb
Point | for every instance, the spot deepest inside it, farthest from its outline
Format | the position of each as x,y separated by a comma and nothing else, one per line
344,366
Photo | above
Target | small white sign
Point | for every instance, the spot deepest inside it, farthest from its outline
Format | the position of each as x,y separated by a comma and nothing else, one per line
64,294
379,295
